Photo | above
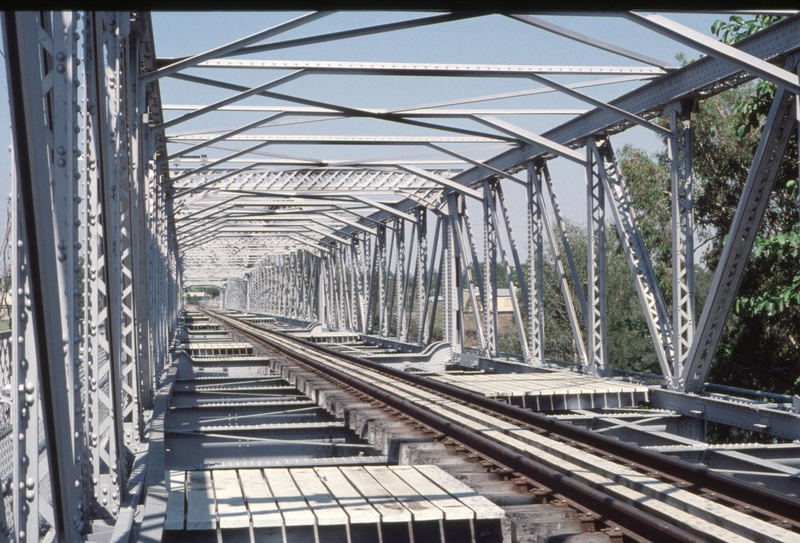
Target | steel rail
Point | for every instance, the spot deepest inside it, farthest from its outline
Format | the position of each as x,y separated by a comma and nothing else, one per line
740,492
632,521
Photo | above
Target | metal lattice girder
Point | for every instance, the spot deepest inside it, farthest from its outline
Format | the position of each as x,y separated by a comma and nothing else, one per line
490,235
471,283
312,182
536,210
116,195
79,369
681,178
596,322
542,172
702,78
417,69
510,279
710,46
644,277
292,196
47,468
777,130
453,319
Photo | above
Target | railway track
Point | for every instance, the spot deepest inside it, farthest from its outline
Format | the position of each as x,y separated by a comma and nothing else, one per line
649,496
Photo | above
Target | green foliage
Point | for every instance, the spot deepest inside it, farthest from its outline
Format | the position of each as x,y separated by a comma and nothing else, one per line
629,343
648,183
753,109
737,28
780,288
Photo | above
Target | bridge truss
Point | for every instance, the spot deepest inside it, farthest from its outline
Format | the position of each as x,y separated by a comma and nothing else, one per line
114,211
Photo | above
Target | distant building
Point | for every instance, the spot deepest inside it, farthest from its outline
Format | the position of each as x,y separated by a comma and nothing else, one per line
503,300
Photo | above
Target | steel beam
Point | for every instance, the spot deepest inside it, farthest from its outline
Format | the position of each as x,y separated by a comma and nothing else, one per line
596,311
728,276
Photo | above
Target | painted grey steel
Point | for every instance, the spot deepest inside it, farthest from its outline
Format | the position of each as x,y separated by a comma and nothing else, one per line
758,416
683,232
556,250
582,38
437,69
536,211
86,196
109,226
692,38
42,376
701,78
644,278
777,130
232,47
596,322
490,274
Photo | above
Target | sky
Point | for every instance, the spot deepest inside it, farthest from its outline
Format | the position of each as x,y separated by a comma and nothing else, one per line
485,40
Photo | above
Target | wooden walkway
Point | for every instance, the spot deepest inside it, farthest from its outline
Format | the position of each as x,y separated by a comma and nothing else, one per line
319,496
550,391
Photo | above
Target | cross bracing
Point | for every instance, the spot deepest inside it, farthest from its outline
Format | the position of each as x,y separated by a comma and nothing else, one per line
379,211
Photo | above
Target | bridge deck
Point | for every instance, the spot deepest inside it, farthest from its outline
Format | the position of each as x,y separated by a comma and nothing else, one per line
205,500
550,391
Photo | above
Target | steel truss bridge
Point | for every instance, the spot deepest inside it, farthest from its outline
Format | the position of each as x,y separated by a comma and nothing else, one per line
116,212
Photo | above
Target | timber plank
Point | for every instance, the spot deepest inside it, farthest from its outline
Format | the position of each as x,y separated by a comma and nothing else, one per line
200,514
230,502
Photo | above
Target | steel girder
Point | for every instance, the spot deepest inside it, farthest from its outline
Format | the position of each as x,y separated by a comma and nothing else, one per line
381,249
779,127
319,239
94,271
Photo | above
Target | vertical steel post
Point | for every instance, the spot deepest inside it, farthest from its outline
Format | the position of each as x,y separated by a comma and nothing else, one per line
421,270
680,151
490,275
452,329
597,356
396,307
536,266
